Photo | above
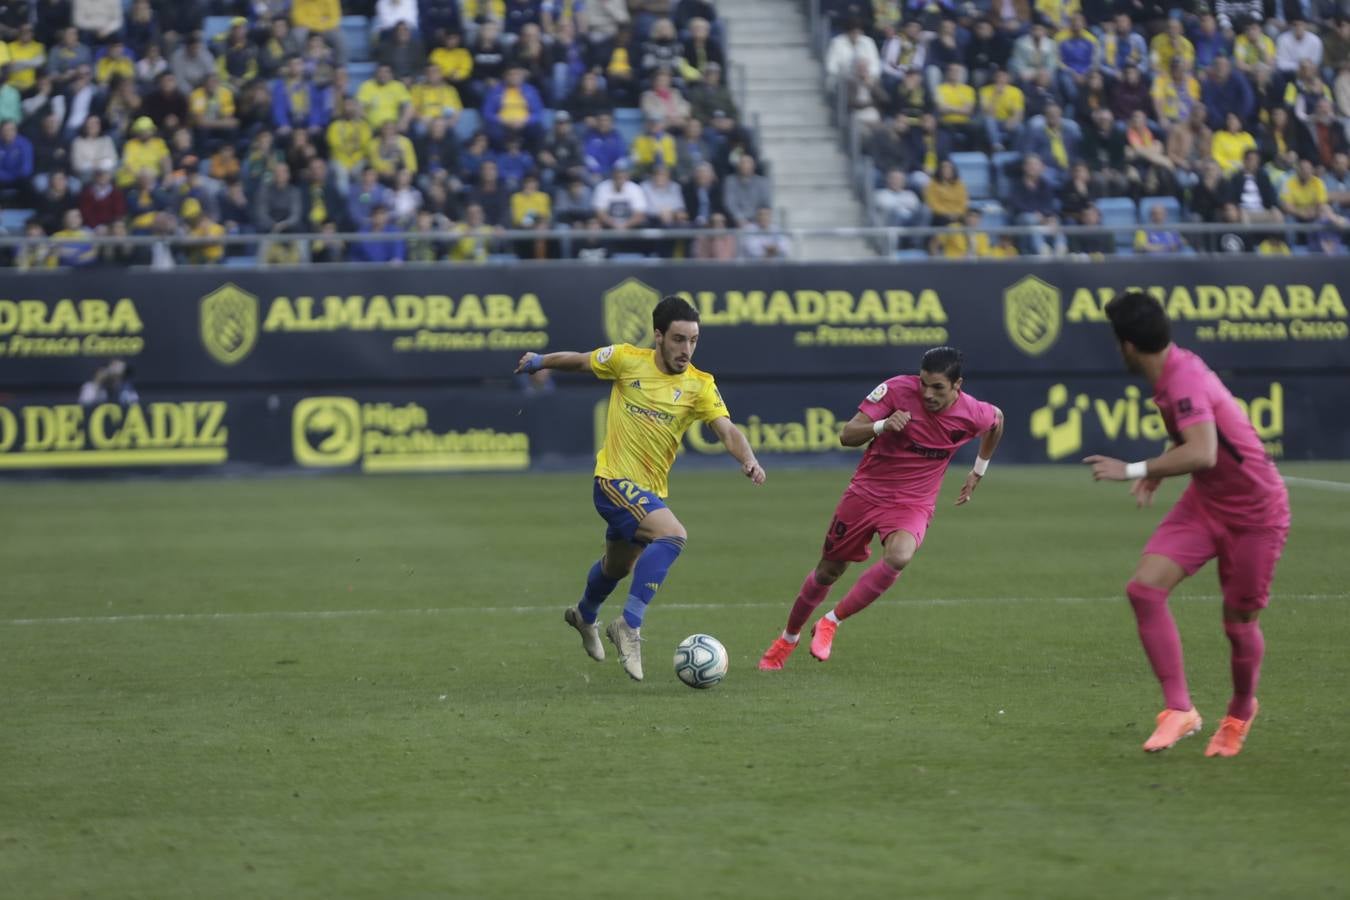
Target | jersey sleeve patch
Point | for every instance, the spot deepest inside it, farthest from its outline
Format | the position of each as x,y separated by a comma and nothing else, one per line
877,393
604,353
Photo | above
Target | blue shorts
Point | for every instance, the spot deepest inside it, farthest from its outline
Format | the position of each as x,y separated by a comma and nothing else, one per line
623,505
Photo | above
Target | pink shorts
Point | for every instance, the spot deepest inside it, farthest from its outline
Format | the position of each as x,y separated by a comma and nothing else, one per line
1190,536
857,518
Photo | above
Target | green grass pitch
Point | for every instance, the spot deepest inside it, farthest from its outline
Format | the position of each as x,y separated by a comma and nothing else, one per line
363,687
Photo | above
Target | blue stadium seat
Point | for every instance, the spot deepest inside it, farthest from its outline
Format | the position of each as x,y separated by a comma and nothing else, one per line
355,31
1117,211
910,253
241,262
992,214
1169,203
12,220
974,171
468,124
628,123
1003,163
214,26
358,73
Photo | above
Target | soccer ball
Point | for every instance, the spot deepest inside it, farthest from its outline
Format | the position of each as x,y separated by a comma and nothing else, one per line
701,661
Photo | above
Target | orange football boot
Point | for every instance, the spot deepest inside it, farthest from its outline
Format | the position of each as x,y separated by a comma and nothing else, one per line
777,654
1227,741
822,637
1173,725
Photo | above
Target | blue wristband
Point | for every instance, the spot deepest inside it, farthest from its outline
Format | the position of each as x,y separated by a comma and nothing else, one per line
535,363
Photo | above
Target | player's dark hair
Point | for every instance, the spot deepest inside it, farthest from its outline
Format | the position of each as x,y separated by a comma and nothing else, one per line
944,361
1140,319
672,309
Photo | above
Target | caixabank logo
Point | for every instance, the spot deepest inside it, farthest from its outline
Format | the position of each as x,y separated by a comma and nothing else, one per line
1071,420
340,432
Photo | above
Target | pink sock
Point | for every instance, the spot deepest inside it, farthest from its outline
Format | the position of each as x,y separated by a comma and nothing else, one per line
1249,645
874,582
1162,643
808,598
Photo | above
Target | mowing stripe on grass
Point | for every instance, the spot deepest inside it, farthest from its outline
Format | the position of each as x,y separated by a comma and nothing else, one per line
441,610
1317,483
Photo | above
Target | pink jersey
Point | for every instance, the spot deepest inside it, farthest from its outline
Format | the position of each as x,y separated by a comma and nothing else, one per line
906,467
1243,488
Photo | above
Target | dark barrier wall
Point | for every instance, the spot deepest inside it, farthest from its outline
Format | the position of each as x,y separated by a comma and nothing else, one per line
392,324
472,429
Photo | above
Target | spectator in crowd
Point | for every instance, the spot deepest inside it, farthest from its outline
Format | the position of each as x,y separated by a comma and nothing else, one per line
1158,237
865,96
391,151
1003,105
1337,181
1209,196
402,51
73,247
69,56
1149,165
700,51
55,201
383,99
389,14
1303,198
1189,144
111,384
191,62
846,51
434,99
661,50
1079,57
101,202
379,248
1131,95
986,51
1252,191
16,164
1254,52
954,100
664,103
745,192
1034,53
1095,241
321,199
1230,145
278,208
703,197
1210,44
619,203
897,205
514,108
198,223
761,240
562,155
573,203
321,17
1032,199
946,196
1103,149
944,50
27,56
1078,194
1171,45
604,146
166,106
1055,140
928,146
405,199
1227,91
912,97
665,200
904,51
1297,45
652,148
1121,46
1302,93
490,195
294,104
1175,91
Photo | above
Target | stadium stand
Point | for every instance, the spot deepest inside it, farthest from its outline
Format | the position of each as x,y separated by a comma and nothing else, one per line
1159,102
457,118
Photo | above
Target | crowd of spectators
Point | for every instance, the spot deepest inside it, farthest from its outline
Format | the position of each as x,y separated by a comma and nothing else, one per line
474,117
1231,111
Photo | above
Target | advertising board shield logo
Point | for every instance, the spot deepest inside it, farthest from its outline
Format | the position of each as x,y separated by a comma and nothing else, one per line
1031,313
628,312
326,431
229,324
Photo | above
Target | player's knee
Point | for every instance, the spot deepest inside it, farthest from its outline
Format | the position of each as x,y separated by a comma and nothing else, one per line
898,558
829,571
671,531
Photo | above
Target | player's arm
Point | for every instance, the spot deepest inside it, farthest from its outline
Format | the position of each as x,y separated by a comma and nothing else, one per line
736,444
1198,450
988,444
860,429
562,360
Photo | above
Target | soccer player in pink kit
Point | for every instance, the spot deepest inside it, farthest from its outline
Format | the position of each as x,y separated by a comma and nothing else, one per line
915,424
1236,508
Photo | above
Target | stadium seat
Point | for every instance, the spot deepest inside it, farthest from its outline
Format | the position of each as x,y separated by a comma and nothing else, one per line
992,214
910,253
628,123
12,220
468,124
214,26
358,73
241,262
1117,211
355,32
1004,165
974,171
1169,203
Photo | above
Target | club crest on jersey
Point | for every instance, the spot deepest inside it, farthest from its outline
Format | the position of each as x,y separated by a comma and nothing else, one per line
957,436
1031,313
877,393
604,354
678,393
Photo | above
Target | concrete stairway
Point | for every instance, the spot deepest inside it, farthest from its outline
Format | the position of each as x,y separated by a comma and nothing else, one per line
783,85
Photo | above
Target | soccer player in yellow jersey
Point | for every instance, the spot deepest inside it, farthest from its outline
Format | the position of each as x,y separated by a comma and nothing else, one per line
657,395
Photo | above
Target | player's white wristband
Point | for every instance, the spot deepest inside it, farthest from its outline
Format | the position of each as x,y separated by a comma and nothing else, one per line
1136,470
878,426
981,466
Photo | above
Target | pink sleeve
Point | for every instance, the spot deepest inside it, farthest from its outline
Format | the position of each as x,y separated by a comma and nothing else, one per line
984,416
1190,400
880,403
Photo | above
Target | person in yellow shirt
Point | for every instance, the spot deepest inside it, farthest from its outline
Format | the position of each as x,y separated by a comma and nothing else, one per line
434,99
657,395
200,225
1169,45
653,148
1254,51
531,209
955,104
349,139
115,64
946,196
390,151
1304,197
1273,245
385,100
1175,91
145,150
323,16
1003,106
211,108
26,57
965,240
1058,13
1230,145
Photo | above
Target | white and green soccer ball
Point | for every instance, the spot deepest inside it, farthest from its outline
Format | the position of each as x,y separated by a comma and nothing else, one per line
701,661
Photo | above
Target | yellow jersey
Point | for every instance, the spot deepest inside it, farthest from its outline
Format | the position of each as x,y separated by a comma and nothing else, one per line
1304,194
316,15
1004,104
649,412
